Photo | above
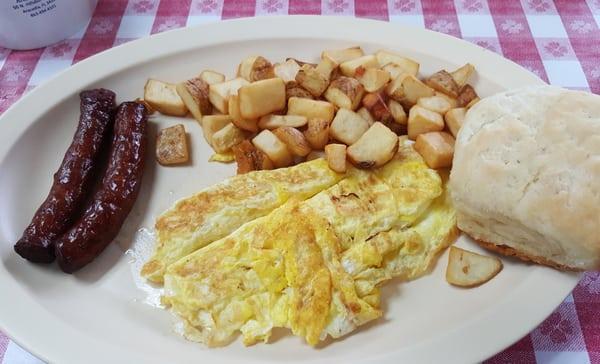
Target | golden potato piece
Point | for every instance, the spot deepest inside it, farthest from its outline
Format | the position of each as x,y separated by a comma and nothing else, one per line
212,124
345,93
171,146
374,79
452,101
249,158
227,137
349,68
454,119
348,126
236,116
421,120
212,77
287,70
256,68
365,114
194,93
293,89
336,157
461,75
343,55
374,148
294,140
312,80
219,93
375,103
435,103
413,90
436,148
274,148
262,98
385,57
394,70
467,94
163,97
443,82
317,133
397,111
276,121
469,269
311,109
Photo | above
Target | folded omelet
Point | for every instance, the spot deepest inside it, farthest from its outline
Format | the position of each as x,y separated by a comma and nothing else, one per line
215,212
314,266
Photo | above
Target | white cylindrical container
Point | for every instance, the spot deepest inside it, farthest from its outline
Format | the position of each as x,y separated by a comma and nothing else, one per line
28,24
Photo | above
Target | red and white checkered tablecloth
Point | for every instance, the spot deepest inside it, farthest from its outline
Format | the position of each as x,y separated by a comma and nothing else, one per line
559,41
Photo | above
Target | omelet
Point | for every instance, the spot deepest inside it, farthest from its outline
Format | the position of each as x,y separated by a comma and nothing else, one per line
217,211
314,266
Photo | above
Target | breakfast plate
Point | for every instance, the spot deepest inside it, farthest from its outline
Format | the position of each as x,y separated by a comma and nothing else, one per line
107,312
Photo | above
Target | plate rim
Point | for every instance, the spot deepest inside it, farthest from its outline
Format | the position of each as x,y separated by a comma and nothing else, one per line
78,76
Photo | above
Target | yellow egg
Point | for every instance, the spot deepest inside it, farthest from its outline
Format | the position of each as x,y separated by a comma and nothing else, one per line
314,265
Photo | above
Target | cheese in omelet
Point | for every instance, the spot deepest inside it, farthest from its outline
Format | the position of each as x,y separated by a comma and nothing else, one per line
315,266
215,212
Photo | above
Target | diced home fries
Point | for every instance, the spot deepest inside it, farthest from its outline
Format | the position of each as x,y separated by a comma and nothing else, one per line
348,106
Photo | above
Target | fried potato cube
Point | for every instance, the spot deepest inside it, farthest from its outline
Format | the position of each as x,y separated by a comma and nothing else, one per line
317,133
443,82
454,119
227,137
236,117
394,89
276,121
326,67
345,93
397,111
374,148
435,103
274,148
287,70
212,77
349,68
311,109
312,80
212,124
315,154
256,68
394,70
461,75
249,158
467,94
343,55
293,89
163,97
414,89
436,148
374,79
261,98
421,120
218,93
336,157
171,146
469,269
347,126
194,93
365,114
451,100
386,57
375,103
294,140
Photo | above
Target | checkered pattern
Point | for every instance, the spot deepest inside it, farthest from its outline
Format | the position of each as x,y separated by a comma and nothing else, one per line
559,41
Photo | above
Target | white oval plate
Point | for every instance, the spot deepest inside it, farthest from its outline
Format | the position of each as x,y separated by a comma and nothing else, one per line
101,315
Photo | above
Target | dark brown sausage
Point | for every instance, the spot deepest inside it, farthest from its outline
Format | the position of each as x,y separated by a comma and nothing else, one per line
105,214
73,180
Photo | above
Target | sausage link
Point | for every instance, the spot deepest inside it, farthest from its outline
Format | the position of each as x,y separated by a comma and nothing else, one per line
73,180
105,214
